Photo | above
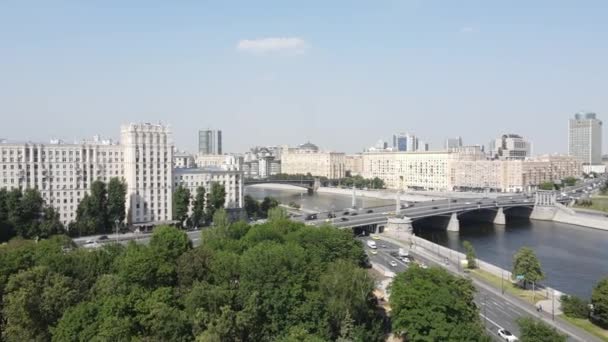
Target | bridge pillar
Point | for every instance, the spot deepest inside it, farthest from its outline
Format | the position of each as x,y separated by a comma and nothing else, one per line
399,228
454,224
397,203
354,201
544,206
500,217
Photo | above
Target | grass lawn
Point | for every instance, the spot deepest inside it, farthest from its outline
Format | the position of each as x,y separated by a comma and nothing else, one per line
588,327
598,202
509,287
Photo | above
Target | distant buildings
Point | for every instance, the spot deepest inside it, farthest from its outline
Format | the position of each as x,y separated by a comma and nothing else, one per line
465,168
262,162
353,164
210,142
585,138
510,147
452,143
307,158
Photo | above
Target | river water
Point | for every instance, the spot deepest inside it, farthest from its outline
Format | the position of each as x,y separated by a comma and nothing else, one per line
573,258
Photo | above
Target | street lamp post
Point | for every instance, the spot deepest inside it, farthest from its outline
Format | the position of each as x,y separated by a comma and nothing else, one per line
116,222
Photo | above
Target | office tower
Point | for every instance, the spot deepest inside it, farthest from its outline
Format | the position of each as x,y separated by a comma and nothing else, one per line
451,143
400,142
585,138
210,141
509,147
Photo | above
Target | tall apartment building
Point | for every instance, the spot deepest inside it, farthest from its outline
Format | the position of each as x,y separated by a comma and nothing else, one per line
510,147
353,164
585,138
210,141
308,159
63,173
148,165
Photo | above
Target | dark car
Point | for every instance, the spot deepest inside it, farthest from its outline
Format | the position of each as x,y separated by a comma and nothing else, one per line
435,207
354,214
478,202
102,238
369,211
311,217
346,213
454,201
403,206
331,215
343,219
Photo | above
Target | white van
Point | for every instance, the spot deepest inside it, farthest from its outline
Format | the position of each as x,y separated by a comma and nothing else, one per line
371,244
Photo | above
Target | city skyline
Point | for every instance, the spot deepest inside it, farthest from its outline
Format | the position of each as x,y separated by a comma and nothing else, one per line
296,73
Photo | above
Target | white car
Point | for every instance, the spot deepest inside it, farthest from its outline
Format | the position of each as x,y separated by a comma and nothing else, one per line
374,252
506,335
393,263
405,260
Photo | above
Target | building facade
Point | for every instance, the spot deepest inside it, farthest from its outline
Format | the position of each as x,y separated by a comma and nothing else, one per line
210,141
510,147
144,159
231,180
585,138
452,143
353,164
307,158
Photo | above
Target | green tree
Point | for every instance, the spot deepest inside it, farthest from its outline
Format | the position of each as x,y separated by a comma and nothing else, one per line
569,181
251,207
546,186
432,305
526,264
117,192
377,183
35,300
220,218
267,204
181,202
576,307
599,299
277,214
6,228
198,207
533,330
217,196
470,253
169,243
51,223
92,211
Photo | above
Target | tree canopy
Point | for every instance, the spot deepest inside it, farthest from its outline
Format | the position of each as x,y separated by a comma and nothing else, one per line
533,330
433,305
278,281
526,264
470,253
599,299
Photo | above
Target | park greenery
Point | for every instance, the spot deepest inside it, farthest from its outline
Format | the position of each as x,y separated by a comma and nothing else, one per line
259,210
575,307
278,281
101,210
196,210
599,300
533,330
527,265
24,214
433,305
470,254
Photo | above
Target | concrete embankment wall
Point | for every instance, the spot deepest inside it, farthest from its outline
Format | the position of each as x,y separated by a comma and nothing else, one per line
456,257
381,194
563,214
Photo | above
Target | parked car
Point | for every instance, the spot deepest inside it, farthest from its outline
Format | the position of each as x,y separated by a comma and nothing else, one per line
506,335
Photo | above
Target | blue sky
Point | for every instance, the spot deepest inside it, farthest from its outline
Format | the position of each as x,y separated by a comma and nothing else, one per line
339,73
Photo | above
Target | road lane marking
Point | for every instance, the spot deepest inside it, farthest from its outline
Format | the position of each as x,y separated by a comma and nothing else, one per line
489,320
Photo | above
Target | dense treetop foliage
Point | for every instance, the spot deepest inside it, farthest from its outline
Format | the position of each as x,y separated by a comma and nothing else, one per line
279,281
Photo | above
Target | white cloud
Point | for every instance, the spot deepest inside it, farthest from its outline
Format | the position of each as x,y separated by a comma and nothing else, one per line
467,30
292,45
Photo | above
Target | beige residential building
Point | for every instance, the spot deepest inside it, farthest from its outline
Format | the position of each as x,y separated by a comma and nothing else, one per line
353,164
409,170
194,177
308,159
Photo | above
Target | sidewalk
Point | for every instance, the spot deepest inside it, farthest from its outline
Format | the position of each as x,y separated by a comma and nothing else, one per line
559,324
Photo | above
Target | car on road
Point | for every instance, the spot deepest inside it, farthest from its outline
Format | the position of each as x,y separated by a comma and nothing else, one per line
393,263
369,211
375,237
435,207
506,335
345,213
354,214
383,246
374,252
454,201
343,219
91,244
102,238
331,215
89,241
468,203
405,260
311,217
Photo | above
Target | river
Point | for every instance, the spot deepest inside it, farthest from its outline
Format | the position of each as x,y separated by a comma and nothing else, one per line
573,258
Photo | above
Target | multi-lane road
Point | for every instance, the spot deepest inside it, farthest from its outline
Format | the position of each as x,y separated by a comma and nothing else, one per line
497,310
